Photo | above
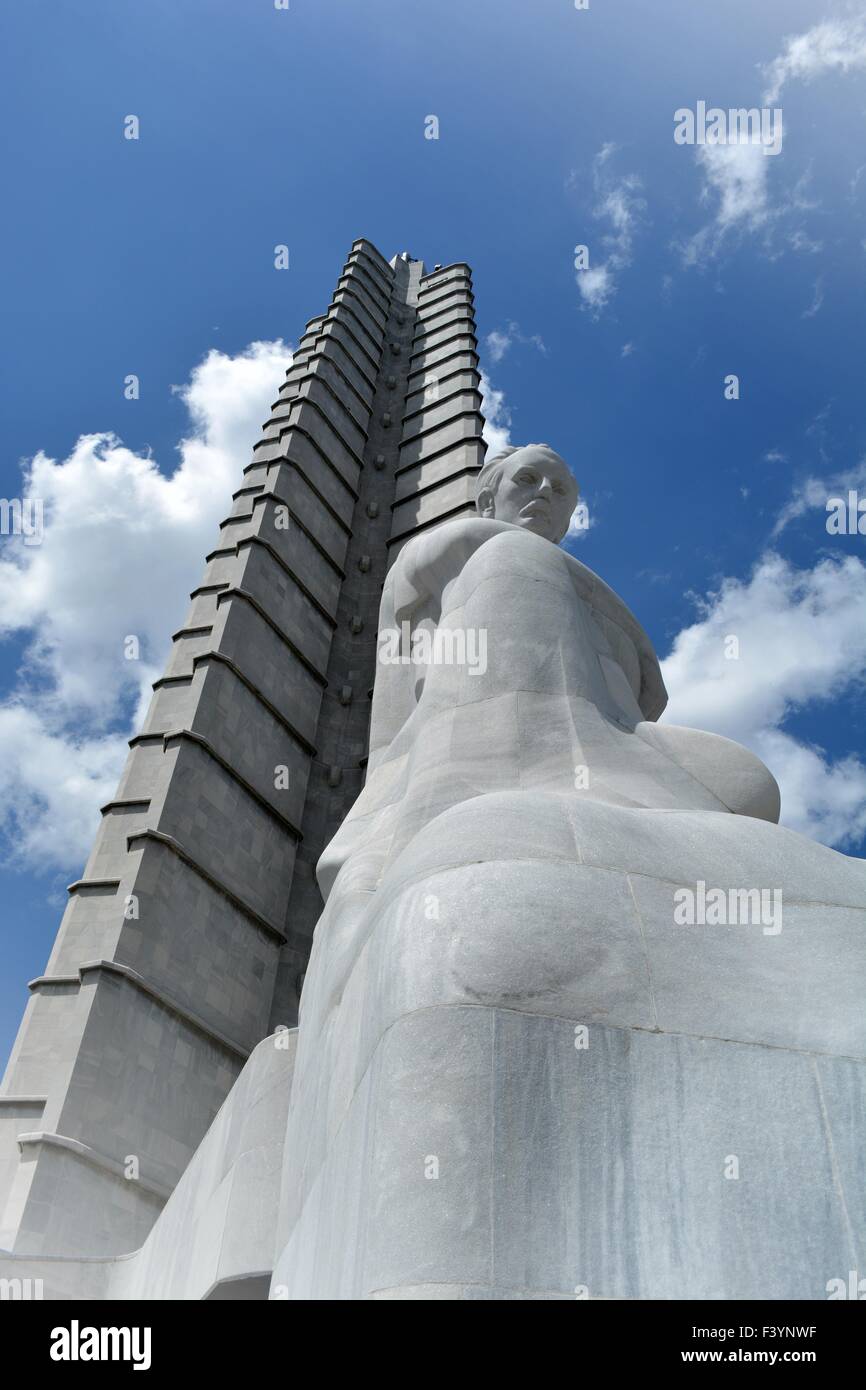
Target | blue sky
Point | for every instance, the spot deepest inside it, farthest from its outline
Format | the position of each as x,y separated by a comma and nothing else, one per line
306,127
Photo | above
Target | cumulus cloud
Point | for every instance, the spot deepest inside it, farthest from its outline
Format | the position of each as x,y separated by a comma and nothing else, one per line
835,45
620,205
801,639
123,544
497,417
51,785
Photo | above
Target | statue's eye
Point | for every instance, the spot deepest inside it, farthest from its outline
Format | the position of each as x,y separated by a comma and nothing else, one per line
528,478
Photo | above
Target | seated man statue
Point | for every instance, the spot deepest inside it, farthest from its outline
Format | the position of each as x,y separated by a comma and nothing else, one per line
513,890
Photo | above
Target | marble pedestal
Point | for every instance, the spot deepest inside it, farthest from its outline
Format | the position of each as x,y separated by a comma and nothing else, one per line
536,1085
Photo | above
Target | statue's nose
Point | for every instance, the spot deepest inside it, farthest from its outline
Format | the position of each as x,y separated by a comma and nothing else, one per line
545,487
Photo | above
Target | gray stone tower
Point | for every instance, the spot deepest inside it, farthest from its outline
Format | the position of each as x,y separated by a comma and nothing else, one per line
185,940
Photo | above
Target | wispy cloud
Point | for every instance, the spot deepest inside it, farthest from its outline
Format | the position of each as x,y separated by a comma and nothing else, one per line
735,181
736,185
817,299
499,341
855,181
737,178
813,493
799,241
619,205
497,345
835,45
655,576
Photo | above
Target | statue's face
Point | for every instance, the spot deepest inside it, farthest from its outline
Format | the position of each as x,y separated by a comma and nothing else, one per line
536,491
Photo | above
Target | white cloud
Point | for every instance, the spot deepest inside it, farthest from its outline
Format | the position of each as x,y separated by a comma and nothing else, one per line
498,342
52,784
497,345
812,493
620,204
736,184
627,350
835,45
738,174
801,639
799,241
735,178
580,523
123,545
817,299
596,286
497,417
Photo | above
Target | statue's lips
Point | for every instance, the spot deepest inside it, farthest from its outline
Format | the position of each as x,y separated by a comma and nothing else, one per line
537,508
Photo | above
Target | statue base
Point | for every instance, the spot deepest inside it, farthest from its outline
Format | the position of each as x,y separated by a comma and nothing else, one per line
534,1081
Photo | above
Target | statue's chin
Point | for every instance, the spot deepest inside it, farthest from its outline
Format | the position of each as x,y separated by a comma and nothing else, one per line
537,525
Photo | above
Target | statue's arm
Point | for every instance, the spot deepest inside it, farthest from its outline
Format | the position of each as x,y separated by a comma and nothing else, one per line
652,696
413,594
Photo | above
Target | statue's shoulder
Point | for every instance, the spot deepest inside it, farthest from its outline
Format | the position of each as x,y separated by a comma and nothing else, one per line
454,540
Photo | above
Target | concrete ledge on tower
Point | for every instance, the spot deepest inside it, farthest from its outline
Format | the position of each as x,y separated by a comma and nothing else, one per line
442,501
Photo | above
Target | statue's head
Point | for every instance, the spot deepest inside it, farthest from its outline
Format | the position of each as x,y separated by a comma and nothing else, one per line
530,486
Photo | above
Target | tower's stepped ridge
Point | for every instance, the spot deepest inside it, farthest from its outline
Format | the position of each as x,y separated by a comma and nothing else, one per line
441,448
185,939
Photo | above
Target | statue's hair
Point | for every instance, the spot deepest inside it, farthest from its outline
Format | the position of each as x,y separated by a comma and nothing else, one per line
490,475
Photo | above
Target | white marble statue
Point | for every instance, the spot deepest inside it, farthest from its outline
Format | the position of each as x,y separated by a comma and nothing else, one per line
512,862
565,704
